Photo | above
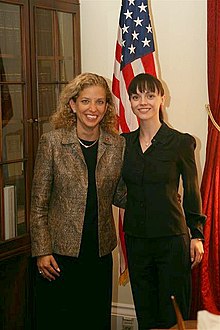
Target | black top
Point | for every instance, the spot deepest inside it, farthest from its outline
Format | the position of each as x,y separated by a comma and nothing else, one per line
89,244
152,180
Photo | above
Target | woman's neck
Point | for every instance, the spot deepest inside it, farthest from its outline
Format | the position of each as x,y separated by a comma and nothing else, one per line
148,130
88,134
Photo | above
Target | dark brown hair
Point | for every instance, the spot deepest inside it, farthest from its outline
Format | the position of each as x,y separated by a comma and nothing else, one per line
146,82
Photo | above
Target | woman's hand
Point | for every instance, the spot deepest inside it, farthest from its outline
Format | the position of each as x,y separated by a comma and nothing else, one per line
196,251
48,267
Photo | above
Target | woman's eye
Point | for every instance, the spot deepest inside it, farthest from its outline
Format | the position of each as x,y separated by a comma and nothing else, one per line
85,101
150,96
100,102
135,97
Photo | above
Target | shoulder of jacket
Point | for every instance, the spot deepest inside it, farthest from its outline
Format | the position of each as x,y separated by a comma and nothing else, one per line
53,137
130,135
186,137
53,133
184,140
121,139
182,135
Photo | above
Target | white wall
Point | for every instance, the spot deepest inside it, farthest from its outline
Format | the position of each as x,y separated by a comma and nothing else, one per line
180,37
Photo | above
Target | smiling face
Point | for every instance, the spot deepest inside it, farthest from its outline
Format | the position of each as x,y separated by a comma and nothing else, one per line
146,104
90,107
146,94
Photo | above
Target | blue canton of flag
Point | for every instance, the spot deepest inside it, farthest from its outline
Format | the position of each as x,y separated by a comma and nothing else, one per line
137,37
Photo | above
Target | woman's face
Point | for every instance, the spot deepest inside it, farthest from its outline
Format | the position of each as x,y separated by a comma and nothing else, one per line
146,105
90,107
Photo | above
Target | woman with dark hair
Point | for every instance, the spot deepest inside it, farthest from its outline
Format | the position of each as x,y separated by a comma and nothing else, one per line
163,239
73,234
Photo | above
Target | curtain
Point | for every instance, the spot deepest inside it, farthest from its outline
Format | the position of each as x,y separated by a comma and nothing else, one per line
206,278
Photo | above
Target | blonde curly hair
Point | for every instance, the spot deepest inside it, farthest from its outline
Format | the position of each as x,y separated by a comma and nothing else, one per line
64,116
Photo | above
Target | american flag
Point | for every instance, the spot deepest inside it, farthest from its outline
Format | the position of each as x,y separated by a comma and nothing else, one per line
134,54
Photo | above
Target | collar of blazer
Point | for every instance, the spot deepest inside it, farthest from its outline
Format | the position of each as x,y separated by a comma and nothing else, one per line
161,136
70,136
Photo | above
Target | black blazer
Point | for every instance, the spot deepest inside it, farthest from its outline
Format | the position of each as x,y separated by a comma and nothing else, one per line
152,179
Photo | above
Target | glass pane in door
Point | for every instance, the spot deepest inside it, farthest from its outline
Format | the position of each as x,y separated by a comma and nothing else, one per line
12,122
46,70
65,48
44,32
10,32
48,95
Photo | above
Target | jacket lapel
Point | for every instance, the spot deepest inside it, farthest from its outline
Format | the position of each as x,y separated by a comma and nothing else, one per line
70,141
105,139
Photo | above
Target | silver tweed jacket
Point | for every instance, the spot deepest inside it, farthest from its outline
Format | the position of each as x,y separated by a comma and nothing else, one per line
59,192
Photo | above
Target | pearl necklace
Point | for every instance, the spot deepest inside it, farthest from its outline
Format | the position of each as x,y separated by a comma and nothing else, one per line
87,146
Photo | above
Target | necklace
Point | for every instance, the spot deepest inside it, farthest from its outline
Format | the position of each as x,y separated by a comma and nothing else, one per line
87,146
146,143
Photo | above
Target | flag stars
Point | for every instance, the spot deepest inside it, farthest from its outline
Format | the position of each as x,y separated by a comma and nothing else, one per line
149,29
132,49
125,29
128,14
131,2
146,42
135,35
142,7
138,21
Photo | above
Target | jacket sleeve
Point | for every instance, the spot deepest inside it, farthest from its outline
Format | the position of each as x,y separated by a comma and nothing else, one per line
192,203
40,199
120,196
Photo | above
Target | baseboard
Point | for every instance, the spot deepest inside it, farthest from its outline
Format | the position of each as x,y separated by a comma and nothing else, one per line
123,317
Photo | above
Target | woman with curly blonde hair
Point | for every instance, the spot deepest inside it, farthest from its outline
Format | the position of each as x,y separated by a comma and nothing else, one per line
77,170
65,117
